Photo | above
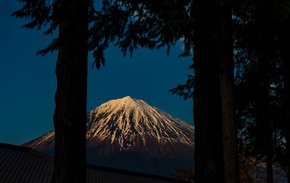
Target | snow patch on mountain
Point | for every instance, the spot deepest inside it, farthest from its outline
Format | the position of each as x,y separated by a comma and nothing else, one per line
125,120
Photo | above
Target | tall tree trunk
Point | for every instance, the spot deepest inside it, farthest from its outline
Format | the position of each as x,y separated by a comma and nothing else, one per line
263,121
286,106
207,104
216,158
287,116
269,168
70,97
286,58
226,77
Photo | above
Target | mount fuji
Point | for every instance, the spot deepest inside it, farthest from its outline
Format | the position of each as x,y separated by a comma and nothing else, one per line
130,134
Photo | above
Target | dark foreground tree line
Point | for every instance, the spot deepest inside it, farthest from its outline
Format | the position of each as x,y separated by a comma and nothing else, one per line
240,83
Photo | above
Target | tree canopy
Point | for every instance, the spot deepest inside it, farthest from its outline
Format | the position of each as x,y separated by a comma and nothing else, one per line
240,52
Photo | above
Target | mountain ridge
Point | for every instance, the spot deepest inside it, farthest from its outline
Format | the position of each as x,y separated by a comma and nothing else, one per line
127,133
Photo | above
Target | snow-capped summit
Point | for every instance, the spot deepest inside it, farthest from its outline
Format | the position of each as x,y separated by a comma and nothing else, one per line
131,134
130,122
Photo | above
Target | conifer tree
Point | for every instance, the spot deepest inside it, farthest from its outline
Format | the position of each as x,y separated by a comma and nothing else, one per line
261,41
70,18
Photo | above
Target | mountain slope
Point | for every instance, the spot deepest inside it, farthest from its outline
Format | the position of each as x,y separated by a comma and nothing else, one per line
130,134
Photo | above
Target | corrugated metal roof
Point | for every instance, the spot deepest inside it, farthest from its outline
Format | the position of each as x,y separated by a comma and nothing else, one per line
23,165
20,164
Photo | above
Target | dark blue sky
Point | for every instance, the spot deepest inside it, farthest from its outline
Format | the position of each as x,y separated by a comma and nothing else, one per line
28,81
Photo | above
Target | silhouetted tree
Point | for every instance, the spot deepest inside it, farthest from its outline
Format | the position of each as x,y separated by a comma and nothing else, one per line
261,106
260,43
213,94
70,17
70,97
286,93
260,34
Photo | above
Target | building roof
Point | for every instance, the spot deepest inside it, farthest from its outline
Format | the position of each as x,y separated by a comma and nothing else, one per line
20,164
